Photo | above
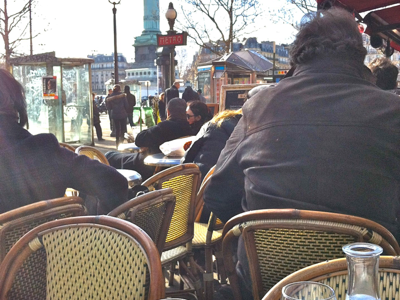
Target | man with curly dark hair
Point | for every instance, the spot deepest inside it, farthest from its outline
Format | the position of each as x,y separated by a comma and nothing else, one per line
324,139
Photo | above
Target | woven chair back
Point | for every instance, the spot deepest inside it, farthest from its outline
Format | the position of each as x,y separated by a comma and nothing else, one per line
334,274
184,180
280,242
152,212
67,146
15,223
93,153
89,257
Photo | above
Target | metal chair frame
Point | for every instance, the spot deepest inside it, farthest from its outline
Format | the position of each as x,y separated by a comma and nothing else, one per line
267,234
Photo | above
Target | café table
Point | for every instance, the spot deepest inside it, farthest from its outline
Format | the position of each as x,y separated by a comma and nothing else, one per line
133,177
159,160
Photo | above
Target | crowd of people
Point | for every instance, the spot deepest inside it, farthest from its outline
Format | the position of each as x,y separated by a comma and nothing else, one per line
326,138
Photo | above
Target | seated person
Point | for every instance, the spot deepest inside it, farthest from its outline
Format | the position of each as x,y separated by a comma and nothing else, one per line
174,127
324,139
209,142
197,114
35,167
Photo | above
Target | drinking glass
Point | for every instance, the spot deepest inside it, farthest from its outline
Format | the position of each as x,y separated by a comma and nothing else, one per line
307,290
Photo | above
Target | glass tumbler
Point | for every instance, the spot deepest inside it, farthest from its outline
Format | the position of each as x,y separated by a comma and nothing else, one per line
307,290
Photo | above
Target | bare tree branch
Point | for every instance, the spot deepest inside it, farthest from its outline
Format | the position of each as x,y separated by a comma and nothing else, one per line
224,21
14,24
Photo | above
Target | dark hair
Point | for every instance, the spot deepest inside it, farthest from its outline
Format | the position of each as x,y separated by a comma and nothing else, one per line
127,89
116,88
200,109
331,33
385,72
176,108
12,98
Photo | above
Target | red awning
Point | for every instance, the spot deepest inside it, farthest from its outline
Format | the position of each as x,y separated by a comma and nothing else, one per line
381,20
367,5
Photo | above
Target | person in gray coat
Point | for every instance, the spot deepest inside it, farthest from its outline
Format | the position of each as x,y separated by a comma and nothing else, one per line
118,105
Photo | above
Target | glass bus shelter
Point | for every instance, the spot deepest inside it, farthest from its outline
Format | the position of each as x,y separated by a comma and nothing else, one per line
58,95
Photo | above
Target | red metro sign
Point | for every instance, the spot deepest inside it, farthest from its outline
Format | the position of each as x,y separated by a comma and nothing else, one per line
172,40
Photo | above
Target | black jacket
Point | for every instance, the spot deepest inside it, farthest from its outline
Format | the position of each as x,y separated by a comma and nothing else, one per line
171,93
152,138
190,95
131,103
324,139
35,168
209,142
163,132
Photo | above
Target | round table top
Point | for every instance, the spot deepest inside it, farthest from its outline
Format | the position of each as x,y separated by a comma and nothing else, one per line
160,160
133,177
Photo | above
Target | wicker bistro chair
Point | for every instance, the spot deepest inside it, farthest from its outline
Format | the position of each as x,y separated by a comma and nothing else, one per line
93,153
152,212
88,257
279,242
15,223
67,146
208,237
184,180
334,273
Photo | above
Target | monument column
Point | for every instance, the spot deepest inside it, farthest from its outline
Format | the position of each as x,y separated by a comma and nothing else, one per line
151,18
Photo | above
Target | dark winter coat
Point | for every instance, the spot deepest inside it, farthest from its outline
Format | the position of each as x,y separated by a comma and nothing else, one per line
190,95
324,139
96,114
208,144
151,138
35,168
171,93
131,103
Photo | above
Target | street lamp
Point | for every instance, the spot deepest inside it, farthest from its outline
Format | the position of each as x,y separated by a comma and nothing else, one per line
114,10
171,15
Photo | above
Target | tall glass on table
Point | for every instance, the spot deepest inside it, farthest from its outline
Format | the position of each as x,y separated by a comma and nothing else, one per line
363,265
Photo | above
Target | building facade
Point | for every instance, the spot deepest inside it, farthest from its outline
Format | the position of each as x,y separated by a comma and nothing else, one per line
103,70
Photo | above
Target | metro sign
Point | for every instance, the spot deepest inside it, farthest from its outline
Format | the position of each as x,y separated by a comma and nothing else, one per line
172,39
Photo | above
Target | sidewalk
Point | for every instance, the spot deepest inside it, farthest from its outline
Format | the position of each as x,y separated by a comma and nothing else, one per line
109,142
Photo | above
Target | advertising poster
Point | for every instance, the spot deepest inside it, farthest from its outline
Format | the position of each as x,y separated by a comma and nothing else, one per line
50,87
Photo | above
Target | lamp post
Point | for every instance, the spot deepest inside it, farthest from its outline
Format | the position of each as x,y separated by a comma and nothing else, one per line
114,10
171,15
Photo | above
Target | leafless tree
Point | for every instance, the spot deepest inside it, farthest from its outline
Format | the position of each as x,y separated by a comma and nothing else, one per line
215,24
13,28
290,9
